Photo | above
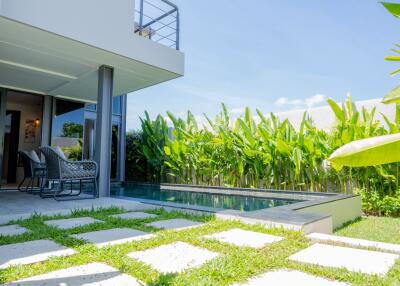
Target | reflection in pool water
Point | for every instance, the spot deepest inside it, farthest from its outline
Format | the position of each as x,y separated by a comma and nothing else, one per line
222,201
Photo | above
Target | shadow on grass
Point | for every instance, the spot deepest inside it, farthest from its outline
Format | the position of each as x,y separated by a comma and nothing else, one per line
346,224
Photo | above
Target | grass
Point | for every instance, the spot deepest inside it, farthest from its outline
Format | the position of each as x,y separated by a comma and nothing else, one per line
234,264
384,229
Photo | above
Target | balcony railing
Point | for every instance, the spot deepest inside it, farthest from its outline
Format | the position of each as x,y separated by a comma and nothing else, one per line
158,20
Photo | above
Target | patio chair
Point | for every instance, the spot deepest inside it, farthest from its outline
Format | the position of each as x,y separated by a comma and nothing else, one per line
33,169
61,171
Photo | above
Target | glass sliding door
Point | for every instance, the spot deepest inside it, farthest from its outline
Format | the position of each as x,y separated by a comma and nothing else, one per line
115,151
68,125
3,100
88,139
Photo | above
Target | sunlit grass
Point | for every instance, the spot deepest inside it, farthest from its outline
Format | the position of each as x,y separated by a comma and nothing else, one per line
234,264
383,229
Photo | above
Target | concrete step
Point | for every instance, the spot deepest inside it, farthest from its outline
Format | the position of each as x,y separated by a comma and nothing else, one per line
354,242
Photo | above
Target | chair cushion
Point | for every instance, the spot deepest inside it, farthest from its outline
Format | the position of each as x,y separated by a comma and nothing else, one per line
59,152
33,155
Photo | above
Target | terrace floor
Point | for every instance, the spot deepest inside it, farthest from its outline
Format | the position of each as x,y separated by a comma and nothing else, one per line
15,205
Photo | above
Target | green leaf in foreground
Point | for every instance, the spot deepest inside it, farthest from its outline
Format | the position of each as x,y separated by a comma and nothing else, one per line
393,96
393,8
368,152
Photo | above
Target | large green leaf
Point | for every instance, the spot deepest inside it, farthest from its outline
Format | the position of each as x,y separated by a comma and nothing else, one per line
393,96
393,8
368,152
337,110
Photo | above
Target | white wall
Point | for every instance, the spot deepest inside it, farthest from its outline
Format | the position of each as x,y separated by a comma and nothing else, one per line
324,118
106,24
88,20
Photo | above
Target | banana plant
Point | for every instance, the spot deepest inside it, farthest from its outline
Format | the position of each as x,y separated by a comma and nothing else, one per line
368,152
394,95
378,150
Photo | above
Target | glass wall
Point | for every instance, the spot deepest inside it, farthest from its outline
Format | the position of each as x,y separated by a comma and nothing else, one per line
74,126
117,105
67,131
114,151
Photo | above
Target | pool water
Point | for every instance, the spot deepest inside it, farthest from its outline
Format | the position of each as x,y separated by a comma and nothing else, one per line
221,201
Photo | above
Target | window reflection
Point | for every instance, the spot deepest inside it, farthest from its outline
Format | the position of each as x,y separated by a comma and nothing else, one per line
117,105
114,151
67,130
91,107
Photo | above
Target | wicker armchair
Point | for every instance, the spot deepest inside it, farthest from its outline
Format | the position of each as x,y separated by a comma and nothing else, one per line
33,169
61,170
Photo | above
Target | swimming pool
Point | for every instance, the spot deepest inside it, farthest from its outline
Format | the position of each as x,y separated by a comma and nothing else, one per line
306,211
206,199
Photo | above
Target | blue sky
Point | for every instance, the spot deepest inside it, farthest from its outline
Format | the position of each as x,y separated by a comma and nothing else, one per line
275,56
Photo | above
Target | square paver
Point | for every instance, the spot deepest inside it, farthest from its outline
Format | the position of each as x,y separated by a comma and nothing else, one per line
31,252
358,260
134,215
14,229
85,275
174,257
287,277
71,222
113,236
353,242
241,237
177,223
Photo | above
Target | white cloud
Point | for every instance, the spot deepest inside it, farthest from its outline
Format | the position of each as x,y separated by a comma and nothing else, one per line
301,103
238,110
315,100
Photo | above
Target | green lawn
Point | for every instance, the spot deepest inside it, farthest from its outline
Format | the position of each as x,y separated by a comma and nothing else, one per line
233,265
383,229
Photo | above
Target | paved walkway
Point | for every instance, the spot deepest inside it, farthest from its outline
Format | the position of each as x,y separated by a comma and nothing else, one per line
15,205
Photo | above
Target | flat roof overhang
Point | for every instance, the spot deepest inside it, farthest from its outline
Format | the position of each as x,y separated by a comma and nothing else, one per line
42,62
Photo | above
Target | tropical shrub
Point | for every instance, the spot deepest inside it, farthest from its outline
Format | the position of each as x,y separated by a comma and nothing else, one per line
135,162
378,203
74,153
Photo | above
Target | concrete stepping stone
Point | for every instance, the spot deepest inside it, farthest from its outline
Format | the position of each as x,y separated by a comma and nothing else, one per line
177,223
113,236
241,237
175,257
71,222
355,242
84,275
134,215
287,277
14,229
31,252
357,260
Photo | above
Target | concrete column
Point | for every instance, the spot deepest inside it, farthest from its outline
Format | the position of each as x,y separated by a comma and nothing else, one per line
103,129
3,102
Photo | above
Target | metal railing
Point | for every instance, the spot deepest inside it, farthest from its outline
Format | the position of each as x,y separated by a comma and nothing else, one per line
158,20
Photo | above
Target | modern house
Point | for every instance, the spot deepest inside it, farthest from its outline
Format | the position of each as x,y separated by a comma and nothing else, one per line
66,68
